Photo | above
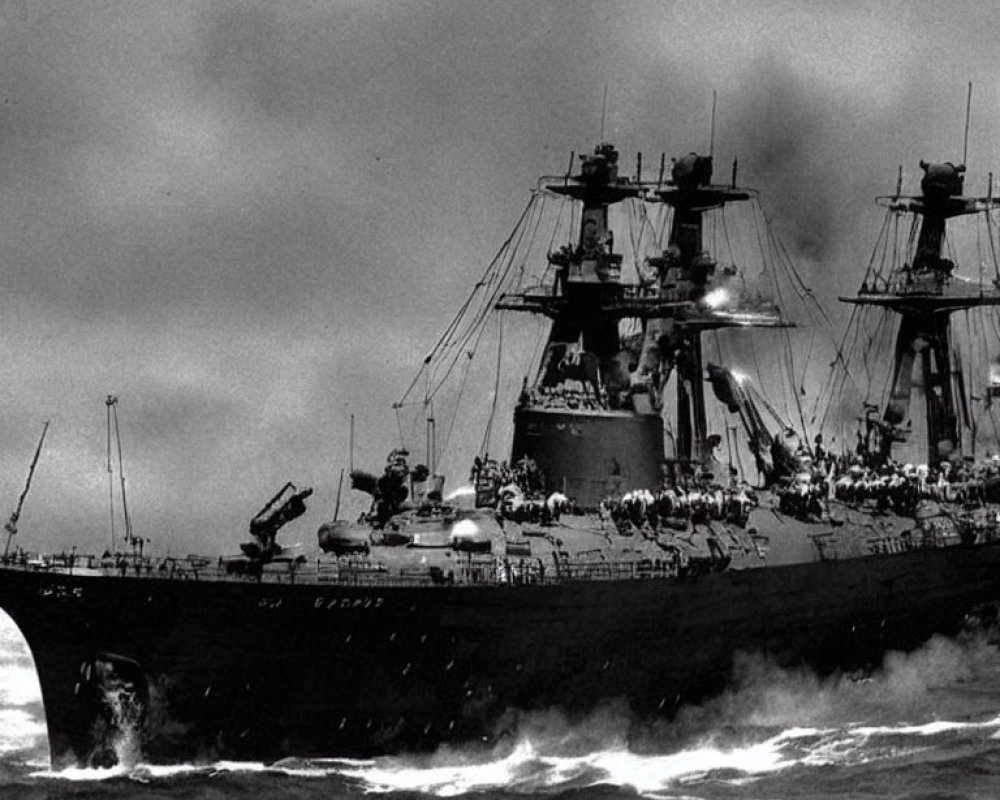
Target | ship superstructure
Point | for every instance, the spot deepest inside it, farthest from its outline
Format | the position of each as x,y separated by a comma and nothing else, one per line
610,439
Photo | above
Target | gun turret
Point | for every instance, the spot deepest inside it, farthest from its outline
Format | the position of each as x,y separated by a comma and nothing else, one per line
271,518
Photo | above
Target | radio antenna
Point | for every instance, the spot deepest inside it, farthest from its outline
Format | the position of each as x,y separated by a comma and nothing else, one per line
711,141
604,110
968,112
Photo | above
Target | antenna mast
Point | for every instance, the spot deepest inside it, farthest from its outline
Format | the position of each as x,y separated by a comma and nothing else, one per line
711,140
604,109
111,474
968,112
340,485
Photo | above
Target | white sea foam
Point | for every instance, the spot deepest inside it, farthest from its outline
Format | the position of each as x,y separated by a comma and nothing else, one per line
19,730
547,757
525,769
18,679
18,686
528,768
136,771
934,728
307,768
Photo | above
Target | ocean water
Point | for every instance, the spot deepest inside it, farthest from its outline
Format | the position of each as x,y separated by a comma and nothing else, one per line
925,725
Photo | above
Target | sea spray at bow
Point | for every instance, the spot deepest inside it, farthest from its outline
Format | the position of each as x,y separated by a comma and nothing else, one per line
22,718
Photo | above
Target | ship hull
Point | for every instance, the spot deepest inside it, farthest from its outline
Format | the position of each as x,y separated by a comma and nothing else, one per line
246,670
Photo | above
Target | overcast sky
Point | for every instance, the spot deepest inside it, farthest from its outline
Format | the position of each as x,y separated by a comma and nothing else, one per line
249,220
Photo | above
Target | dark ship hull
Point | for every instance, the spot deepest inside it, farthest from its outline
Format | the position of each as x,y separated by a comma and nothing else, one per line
260,670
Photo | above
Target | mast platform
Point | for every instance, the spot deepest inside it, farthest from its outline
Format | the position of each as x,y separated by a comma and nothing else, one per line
928,301
633,304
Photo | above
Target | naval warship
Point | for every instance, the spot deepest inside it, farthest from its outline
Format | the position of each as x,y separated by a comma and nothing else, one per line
653,513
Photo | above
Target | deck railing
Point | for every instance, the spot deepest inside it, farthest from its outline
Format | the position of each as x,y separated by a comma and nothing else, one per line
478,569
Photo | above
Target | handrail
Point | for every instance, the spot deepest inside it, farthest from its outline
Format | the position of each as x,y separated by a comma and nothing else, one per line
487,571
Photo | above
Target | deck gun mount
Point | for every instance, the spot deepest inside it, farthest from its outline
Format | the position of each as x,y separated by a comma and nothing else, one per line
270,519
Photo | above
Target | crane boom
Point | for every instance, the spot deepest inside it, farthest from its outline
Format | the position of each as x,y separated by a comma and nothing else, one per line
11,526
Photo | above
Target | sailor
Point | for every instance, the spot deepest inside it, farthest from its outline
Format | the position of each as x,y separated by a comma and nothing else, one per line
604,511
666,502
744,500
638,502
862,447
710,462
511,502
819,452
716,501
555,505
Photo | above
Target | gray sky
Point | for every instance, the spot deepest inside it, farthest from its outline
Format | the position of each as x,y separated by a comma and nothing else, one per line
249,220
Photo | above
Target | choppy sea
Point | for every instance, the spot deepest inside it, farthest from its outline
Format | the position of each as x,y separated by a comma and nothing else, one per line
925,725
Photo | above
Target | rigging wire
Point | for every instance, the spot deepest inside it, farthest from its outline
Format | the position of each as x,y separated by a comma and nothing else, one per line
555,232
875,273
486,306
483,281
789,358
993,248
461,393
484,447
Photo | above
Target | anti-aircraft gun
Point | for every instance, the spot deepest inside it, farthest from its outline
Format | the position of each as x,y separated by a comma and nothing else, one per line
288,504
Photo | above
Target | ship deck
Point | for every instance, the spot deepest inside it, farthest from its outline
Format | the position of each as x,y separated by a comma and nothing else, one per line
443,567
467,570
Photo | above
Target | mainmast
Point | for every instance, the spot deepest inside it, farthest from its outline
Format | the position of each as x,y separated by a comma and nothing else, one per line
689,276
924,293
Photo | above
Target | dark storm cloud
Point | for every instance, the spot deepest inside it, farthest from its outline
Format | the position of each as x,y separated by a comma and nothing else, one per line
788,127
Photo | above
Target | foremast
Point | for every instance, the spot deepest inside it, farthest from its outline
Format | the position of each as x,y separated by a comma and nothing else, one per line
926,388
583,441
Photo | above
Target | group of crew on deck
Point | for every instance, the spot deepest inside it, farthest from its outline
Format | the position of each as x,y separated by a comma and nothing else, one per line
517,492
677,504
884,485
902,486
